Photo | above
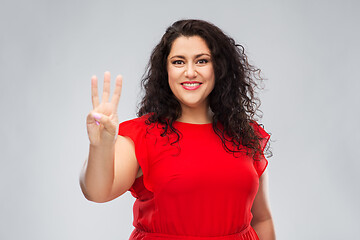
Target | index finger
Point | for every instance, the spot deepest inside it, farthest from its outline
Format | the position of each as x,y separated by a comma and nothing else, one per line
94,92
117,92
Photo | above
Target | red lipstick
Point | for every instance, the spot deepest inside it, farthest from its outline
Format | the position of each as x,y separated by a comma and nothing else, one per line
191,85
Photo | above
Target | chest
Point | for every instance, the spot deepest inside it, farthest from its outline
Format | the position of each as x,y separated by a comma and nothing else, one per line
197,164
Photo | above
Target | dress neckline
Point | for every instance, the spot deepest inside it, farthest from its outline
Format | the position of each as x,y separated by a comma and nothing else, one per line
193,124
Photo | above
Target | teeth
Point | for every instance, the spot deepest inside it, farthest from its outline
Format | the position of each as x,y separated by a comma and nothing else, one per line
191,84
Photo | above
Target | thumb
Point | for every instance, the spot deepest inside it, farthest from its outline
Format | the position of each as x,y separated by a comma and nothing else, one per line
93,118
105,120
97,117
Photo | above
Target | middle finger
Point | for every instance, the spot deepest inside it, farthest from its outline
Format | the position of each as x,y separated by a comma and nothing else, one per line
106,89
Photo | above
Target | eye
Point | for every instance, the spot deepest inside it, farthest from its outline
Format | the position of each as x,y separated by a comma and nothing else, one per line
177,62
202,61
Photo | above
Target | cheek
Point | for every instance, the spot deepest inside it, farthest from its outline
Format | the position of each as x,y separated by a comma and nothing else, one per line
212,87
174,72
174,76
172,80
211,77
171,74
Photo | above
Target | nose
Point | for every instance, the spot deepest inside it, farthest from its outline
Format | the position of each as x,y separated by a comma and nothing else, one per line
190,72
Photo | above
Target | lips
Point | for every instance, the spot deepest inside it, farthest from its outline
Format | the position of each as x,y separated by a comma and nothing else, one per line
191,85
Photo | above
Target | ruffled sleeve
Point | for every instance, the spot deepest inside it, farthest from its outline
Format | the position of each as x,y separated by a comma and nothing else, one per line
260,162
135,129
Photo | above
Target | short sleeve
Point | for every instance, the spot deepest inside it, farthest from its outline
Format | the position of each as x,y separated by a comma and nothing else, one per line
260,162
135,129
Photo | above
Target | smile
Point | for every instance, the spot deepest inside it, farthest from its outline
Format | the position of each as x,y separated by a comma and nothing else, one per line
191,85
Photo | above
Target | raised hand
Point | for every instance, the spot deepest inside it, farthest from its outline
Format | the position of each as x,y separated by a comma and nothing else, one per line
102,122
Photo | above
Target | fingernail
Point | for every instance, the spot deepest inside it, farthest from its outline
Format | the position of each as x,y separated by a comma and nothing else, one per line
97,123
96,116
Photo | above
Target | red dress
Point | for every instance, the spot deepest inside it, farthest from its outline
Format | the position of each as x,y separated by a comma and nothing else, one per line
193,189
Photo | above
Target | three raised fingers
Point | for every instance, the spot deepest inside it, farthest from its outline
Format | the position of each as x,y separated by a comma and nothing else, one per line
106,91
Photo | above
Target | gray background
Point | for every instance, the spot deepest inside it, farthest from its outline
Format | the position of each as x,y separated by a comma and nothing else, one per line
308,51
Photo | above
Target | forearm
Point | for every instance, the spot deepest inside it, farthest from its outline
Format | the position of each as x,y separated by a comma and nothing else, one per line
98,173
264,229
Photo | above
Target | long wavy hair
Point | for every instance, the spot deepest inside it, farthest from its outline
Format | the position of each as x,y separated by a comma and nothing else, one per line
233,100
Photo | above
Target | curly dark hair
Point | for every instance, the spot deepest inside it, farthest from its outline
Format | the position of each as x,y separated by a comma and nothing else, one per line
233,100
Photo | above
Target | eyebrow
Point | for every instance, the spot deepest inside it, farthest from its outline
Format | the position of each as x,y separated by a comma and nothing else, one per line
197,56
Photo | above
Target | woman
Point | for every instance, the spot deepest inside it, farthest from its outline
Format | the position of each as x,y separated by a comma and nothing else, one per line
193,159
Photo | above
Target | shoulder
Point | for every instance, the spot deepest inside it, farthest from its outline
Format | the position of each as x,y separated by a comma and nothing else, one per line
135,122
133,126
139,125
259,129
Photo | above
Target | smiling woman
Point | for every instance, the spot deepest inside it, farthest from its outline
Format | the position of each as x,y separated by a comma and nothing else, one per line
194,158
191,75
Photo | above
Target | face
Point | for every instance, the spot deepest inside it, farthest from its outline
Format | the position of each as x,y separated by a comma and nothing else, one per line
190,71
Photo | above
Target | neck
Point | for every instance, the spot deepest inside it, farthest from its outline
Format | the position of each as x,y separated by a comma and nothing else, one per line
196,115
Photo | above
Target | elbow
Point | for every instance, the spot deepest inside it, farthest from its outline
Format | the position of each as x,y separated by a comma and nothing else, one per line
95,200
92,197
255,221
265,217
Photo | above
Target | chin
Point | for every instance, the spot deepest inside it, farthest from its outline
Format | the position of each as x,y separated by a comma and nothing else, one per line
192,104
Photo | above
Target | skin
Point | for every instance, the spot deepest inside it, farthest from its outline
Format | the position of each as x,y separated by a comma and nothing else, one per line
262,220
112,167
190,61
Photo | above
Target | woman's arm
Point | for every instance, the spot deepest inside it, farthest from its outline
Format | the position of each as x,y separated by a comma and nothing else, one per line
262,220
111,167
109,171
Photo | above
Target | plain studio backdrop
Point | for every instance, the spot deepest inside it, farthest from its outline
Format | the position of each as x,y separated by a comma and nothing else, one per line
308,52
